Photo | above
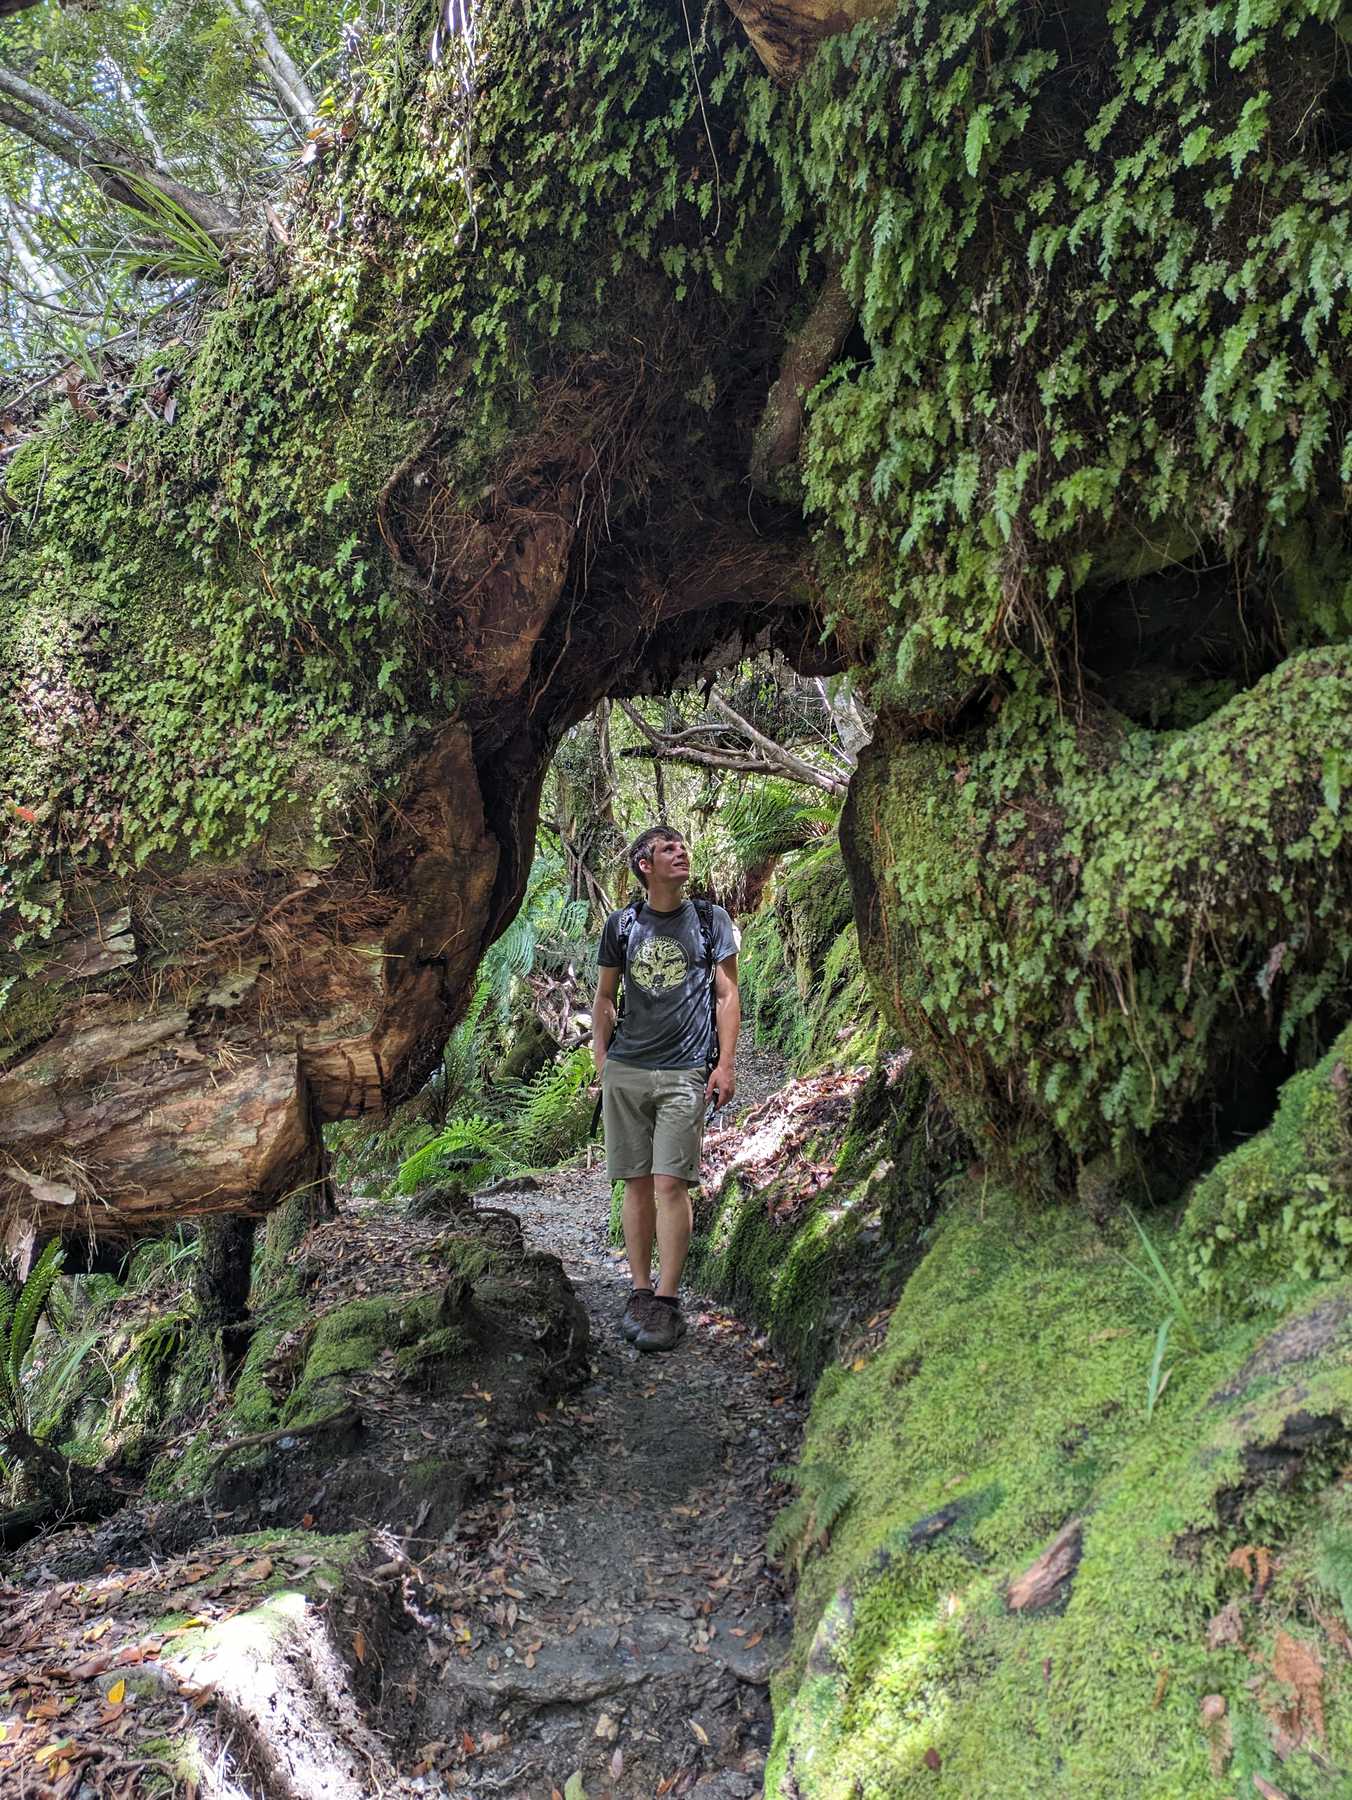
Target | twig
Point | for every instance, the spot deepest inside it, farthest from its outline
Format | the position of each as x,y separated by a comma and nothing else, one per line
342,1415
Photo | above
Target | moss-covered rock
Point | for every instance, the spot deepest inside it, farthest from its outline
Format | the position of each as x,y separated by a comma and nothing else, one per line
1085,928
1010,1399
817,1221
1278,1210
804,990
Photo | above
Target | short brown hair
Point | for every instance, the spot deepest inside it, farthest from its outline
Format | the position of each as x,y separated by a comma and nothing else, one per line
643,843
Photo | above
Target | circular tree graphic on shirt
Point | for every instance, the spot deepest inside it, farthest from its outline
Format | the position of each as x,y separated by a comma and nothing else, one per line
659,964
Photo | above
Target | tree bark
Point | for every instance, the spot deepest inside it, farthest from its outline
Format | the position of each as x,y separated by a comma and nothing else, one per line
290,85
785,33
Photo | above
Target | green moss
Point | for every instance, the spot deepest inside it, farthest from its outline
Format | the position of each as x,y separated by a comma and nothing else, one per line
1011,1391
777,1275
1071,920
349,1339
422,1360
803,986
1278,1210
27,1016
226,596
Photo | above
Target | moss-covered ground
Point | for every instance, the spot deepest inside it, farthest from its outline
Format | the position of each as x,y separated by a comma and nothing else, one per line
1009,1398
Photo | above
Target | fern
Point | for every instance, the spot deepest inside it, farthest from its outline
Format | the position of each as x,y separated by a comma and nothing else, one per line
21,1317
555,1113
772,818
807,1522
474,1149
56,1379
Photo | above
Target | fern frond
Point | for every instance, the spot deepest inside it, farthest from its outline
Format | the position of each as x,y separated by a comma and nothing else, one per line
473,1149
28,1309
773,818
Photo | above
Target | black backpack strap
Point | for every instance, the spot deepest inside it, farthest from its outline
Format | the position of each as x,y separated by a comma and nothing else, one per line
628,920
704,912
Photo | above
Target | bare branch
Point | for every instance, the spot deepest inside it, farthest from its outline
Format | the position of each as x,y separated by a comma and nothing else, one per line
289,84
761,755
49,123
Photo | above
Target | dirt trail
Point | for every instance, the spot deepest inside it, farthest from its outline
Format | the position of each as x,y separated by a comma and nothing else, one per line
540,1560
641,1648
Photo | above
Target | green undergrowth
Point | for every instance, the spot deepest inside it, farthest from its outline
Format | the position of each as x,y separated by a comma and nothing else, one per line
1009,1399
1081,926
1279,1208
804,991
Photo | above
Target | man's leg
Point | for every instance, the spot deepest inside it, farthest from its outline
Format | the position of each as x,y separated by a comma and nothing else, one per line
639,1220
671,1200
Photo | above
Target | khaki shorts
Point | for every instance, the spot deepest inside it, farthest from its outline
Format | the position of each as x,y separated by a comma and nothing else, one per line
654,1121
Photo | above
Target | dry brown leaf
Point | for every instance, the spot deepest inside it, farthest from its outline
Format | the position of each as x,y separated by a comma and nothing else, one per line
699,1732
1161,1686
1227,1628
359,1645
1298,1665
1255,1561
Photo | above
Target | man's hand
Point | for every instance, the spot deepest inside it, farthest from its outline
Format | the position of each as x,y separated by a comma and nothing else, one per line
721,1085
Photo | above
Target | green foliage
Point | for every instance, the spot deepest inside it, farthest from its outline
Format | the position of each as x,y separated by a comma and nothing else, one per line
213,592
473,1150
802,982
547,1119
1134,323
1177,1326
21,1305
1075,920
182,250
1275,1212
770,818
554,1113
807,1522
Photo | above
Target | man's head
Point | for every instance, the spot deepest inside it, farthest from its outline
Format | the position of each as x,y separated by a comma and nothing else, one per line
659,851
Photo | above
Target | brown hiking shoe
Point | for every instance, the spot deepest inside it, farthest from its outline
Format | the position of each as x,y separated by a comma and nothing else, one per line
663,1328
635,1315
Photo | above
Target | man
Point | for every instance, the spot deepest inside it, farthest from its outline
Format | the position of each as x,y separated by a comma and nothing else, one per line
658,1069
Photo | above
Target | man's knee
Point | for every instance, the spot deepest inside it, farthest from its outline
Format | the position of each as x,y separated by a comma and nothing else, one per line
668,1189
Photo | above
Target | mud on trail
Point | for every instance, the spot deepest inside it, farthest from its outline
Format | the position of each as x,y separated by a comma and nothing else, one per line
522,1553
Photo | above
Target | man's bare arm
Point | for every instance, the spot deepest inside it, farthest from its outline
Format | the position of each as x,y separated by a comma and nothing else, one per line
603,1015
728,1011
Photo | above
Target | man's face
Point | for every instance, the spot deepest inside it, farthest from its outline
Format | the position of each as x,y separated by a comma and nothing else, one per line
668,860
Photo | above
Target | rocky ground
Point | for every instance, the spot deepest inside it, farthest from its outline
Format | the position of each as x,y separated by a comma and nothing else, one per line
540,1575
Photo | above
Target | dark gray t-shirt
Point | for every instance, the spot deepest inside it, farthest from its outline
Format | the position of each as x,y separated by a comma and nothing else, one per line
666,1023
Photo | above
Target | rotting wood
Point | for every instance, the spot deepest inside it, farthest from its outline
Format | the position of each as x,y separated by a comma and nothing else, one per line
1045,1580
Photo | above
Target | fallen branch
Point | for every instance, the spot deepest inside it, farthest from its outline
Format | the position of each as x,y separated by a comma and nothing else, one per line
341,1416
